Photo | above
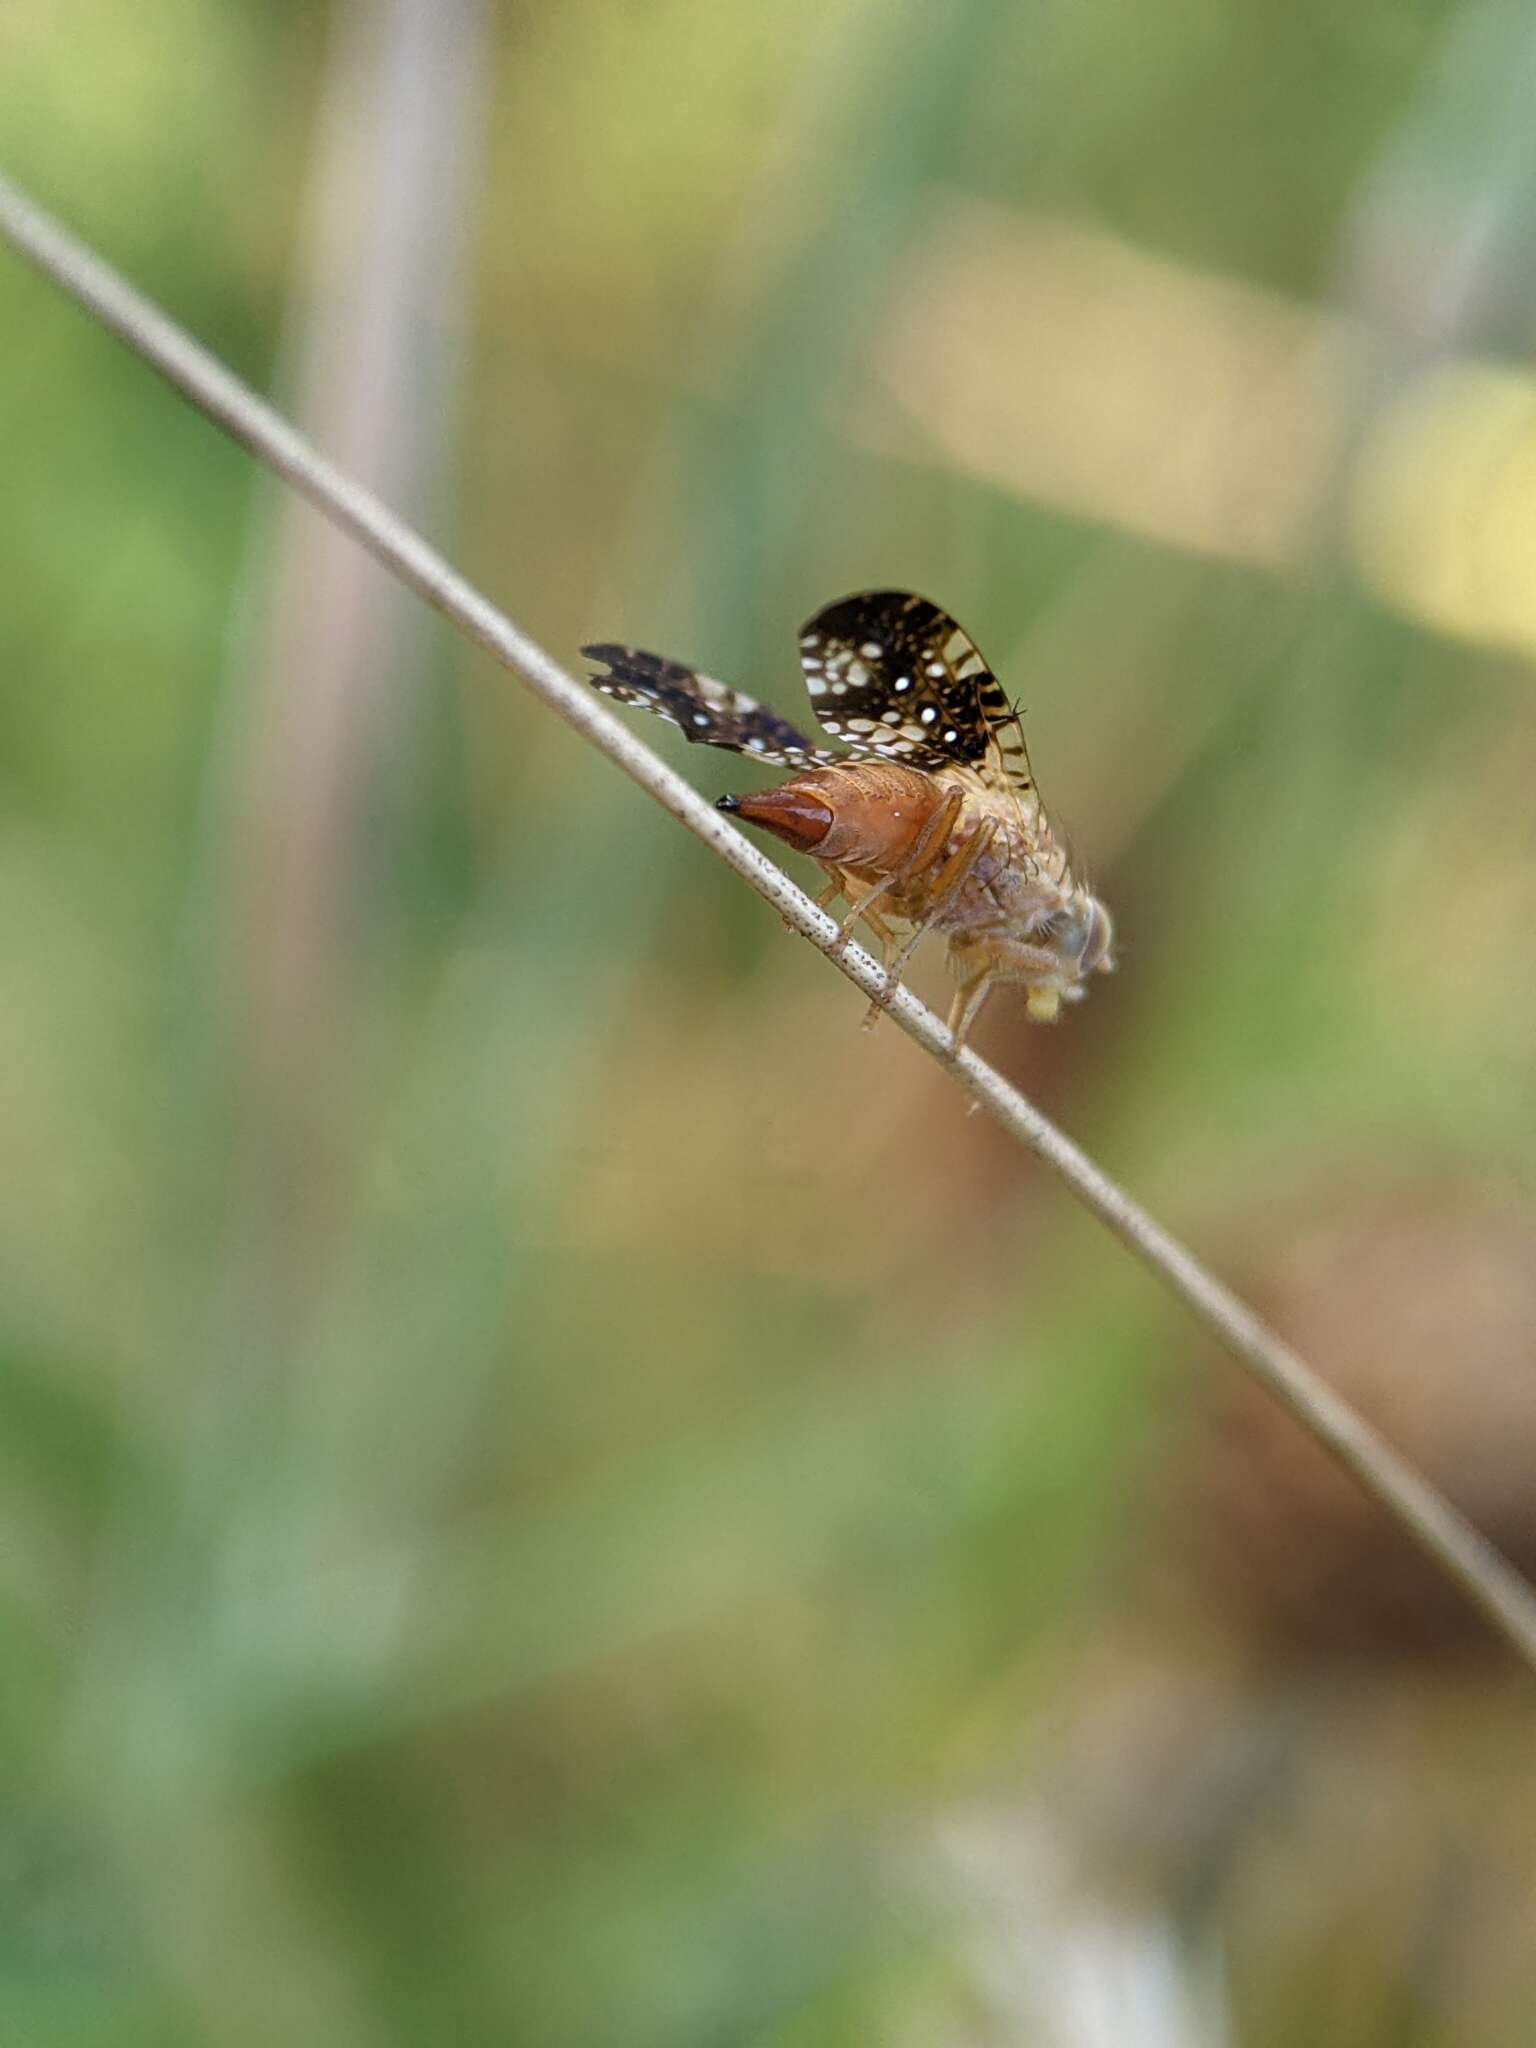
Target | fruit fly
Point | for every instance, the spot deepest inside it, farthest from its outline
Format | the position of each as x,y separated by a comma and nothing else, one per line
928,820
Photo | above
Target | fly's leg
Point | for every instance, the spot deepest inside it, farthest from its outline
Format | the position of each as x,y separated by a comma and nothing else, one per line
862,908
887,940
1036,967
949,881
966,1007
837,885
882,932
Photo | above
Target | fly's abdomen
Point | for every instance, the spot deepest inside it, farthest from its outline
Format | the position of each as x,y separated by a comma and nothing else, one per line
867,816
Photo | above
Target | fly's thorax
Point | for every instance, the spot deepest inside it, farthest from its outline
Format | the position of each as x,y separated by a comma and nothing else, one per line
1019,881
1022,841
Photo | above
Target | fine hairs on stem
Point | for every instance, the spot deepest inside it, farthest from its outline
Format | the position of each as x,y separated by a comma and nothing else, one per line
1485,1577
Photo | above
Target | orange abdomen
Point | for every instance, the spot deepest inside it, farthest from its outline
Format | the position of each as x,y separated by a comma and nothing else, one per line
865,815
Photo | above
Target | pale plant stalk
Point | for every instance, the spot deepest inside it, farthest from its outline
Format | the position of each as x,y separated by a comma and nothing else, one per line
320,721
1486,1578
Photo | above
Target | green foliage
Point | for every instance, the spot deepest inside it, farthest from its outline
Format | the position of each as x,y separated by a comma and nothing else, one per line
523,1501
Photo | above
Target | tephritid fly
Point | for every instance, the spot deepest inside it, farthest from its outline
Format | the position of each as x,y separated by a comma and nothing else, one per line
929,820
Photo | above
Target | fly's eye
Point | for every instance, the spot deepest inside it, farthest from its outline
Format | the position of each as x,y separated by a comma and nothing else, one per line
1098,939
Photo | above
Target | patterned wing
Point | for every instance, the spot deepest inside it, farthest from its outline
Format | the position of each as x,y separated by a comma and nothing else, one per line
892,674
708,712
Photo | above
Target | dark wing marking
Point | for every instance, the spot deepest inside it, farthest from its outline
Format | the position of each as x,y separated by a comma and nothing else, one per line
710,713
891,673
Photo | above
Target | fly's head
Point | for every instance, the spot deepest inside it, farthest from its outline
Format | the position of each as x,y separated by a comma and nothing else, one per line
1077,938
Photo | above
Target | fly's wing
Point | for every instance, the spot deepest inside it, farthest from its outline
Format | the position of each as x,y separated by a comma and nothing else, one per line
710,713
891,674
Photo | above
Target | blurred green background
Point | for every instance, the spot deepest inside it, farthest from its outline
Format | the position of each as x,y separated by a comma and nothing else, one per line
551,1489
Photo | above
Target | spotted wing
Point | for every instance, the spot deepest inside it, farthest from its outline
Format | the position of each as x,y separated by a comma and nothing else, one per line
890,673
710,713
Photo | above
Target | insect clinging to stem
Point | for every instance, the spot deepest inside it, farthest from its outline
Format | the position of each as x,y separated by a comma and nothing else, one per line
928,820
